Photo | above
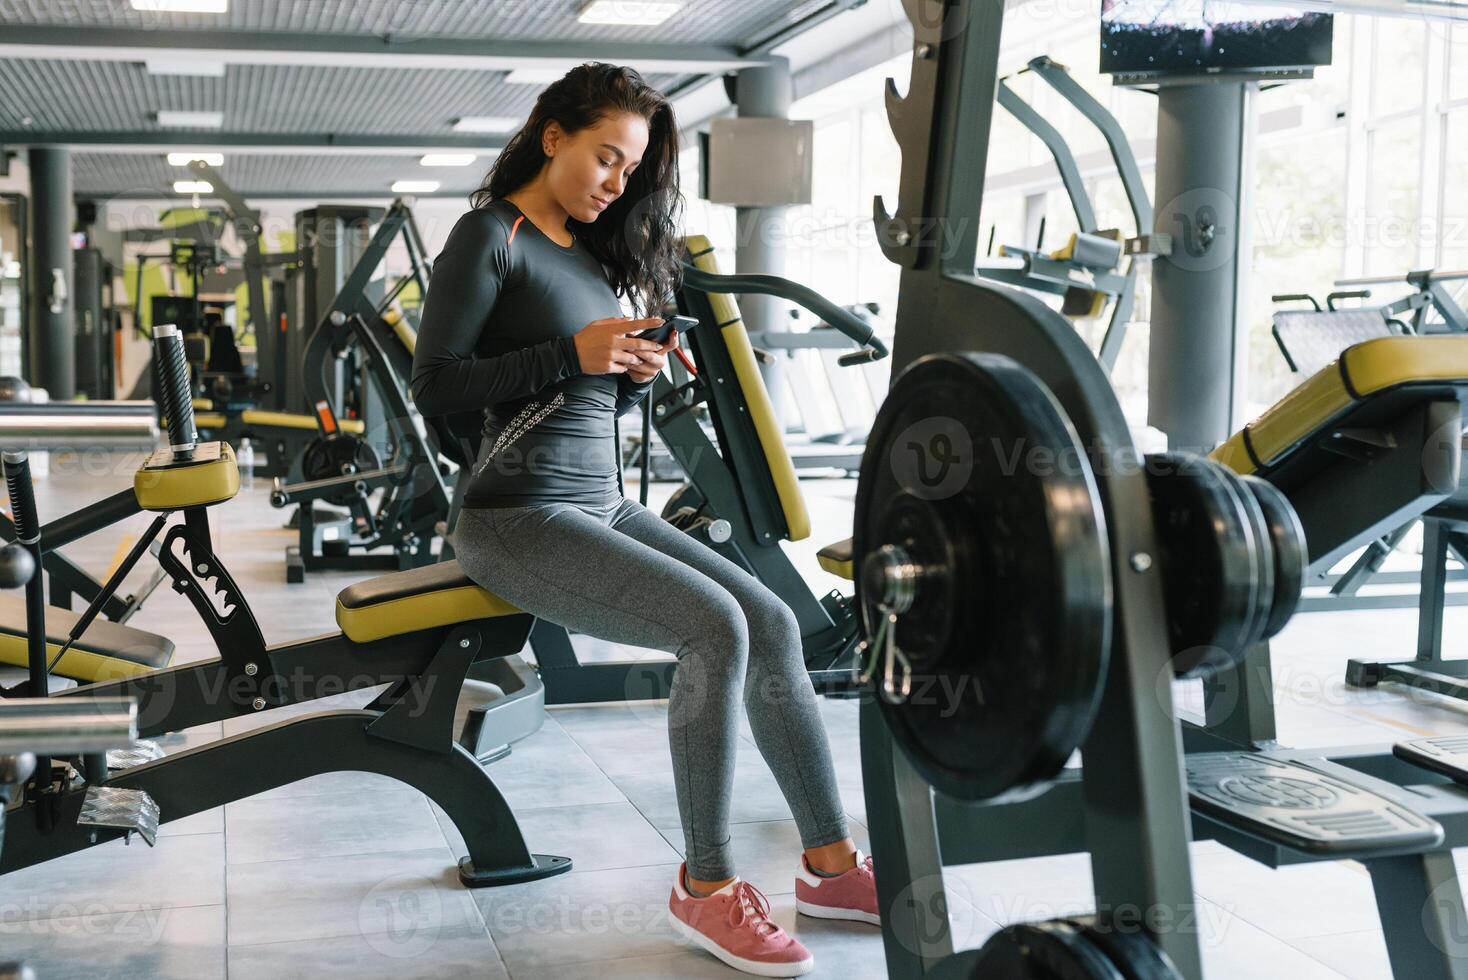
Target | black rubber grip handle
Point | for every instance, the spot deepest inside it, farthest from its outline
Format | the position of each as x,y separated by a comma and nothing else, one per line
175,399
22,492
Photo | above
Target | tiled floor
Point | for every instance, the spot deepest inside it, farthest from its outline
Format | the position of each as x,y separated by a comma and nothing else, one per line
352,874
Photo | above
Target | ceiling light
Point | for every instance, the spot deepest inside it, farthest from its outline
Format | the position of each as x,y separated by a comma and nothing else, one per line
183,159
535,76
448,159
190,120
485,124
627,12
182,6
415,187
192,187
185,66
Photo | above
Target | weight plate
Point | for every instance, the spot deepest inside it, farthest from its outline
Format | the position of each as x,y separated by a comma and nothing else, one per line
1055,950
1211,566
975,472
336,455
1291,551
1263,553
1135,954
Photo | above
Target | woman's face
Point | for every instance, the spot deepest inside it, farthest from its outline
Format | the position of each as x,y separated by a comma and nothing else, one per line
589,170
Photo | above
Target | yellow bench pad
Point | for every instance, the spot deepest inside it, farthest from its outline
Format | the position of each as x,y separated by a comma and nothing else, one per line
106,651
212,477
1362,370
418,599
837,559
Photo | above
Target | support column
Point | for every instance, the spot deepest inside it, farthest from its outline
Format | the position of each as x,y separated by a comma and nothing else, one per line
50,353
764,92
1204,145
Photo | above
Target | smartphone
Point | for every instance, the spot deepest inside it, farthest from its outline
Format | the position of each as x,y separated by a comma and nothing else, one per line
670,325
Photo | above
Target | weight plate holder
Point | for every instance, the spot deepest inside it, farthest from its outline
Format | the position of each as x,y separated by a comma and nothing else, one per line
984,578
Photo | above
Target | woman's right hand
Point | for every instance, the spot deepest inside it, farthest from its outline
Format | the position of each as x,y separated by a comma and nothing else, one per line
607,347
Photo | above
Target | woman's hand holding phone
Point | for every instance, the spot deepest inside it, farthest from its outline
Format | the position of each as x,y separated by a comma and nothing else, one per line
608,347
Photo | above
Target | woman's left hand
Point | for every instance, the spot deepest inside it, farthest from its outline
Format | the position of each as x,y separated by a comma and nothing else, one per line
651,362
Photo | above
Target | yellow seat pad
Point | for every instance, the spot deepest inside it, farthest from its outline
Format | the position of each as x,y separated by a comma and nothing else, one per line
294,420
211,477
1362,371
837,559
106,651
418,599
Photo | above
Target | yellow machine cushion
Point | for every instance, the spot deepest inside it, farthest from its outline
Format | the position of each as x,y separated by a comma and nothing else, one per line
837,559
402,329
203,404
293,420
418,599
207,420
751,382
1362,370
211,477
106,651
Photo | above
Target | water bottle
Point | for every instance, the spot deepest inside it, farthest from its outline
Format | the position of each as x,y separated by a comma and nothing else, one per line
246,460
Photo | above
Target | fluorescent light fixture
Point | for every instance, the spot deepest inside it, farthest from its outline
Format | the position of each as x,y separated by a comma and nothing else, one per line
182,6
190,120
183,159
627,12
185,66
535,76
415,187
485,124
448,159
192,187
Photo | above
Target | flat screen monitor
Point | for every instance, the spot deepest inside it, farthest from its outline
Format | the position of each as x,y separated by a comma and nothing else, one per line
1190,37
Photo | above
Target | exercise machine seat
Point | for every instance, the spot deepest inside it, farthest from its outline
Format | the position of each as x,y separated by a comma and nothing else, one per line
211,477
1407,368
207,420
756,397
106,651
418,599
293,420
836,559
1313,339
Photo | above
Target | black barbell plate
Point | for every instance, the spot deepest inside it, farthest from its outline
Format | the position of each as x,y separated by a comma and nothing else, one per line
1135,954
1053,950
1211,566
1263,552
1291,551
973,467
327,456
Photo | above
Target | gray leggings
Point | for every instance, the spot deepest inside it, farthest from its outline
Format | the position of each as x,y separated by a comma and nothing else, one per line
623,574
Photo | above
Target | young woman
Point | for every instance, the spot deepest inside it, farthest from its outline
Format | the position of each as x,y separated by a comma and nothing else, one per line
523,324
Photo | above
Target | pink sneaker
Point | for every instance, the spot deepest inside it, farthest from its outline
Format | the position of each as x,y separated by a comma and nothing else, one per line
734,924
852,895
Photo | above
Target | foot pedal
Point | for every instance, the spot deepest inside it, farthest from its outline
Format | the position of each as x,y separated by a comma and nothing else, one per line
295,565
129,810
142,751
1447,755
1303,808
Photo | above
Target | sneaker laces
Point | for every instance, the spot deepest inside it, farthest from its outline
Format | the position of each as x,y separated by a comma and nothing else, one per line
750,905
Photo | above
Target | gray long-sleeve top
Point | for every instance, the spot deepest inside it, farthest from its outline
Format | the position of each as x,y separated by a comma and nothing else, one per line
502,309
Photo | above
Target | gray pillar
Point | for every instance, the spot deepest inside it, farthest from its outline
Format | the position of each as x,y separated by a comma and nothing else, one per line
50,356
1204,141
764,92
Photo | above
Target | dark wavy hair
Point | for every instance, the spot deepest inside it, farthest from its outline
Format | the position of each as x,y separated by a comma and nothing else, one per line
638,238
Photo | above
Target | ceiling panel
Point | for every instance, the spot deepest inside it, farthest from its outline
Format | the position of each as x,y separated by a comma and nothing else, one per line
138,174
703,21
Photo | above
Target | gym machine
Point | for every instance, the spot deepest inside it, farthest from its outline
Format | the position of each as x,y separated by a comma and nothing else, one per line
416,632
1028,583
1096,266
358,361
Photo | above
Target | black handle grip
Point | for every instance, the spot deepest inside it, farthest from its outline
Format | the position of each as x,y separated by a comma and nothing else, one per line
173,388
22,492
